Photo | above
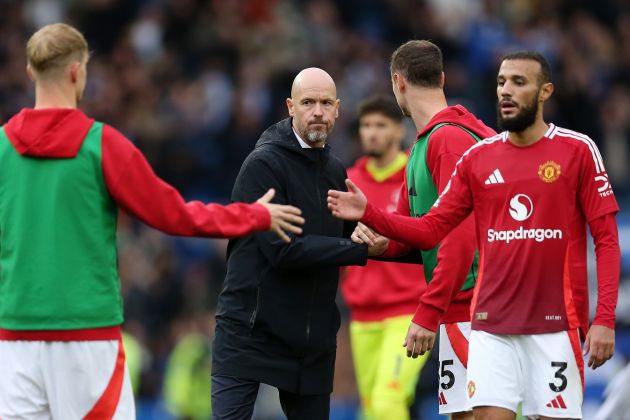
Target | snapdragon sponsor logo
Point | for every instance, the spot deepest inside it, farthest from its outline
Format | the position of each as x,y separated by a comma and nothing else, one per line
521,208
538,235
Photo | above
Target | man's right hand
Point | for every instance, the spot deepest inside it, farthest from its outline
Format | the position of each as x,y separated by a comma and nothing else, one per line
347,205
600,343
419,340
377,244
284,218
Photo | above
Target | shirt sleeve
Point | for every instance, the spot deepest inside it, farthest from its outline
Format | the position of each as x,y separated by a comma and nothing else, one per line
608,259
396,248
595,191
304,251
139,191
457,250
450,209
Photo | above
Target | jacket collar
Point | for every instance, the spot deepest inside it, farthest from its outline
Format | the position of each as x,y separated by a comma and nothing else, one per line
281,135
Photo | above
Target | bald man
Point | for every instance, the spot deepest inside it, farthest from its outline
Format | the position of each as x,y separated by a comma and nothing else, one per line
277,319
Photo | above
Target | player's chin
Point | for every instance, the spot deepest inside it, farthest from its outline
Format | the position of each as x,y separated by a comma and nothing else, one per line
509,115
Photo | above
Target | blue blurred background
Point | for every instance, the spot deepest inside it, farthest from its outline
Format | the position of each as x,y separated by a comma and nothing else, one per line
193,83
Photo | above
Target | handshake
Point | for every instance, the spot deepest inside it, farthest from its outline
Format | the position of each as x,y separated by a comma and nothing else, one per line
349,205
377,244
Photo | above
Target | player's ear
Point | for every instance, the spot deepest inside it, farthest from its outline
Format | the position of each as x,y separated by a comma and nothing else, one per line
30,73
290,107
399,81
74,71
546,90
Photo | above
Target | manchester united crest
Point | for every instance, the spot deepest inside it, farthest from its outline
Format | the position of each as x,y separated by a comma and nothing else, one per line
549,171
471,389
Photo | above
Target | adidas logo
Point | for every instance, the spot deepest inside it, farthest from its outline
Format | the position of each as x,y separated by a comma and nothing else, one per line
557,402
441,399
495,178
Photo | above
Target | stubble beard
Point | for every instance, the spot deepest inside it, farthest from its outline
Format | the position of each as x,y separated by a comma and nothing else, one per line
374,154
521,121
316,136
379,153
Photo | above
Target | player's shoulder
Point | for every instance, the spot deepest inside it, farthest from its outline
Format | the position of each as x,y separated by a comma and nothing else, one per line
449,138
486,144
112,134
114,140
450,132
577,142
565,135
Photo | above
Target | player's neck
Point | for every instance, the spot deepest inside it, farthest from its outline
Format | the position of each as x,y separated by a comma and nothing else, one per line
54,96
424,104
530,135
386,158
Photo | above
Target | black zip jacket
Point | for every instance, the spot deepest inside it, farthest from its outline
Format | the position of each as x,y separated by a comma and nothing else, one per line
277,320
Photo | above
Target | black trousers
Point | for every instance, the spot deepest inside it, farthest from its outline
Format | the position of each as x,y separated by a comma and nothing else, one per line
234,398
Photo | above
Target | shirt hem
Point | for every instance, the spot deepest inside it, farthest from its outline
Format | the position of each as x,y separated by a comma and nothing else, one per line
88,334
499,330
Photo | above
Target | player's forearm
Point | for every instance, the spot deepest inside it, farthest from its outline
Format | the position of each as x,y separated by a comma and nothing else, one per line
161,206
396,249
138,190
422,233
608,258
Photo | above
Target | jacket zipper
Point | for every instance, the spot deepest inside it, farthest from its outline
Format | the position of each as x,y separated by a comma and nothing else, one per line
252,319
314,287
310,310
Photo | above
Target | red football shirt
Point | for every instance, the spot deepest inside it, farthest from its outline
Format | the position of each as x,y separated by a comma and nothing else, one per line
531,207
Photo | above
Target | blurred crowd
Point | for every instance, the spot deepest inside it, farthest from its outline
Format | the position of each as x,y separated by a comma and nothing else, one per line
194,82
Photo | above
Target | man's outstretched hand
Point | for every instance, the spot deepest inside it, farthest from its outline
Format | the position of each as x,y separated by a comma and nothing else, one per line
347,205
284,218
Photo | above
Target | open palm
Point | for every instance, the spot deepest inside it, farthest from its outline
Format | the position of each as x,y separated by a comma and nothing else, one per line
347,205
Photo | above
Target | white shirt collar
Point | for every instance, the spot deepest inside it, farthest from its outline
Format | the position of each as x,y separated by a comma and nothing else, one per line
304,144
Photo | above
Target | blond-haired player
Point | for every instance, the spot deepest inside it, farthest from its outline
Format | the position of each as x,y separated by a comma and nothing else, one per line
63,177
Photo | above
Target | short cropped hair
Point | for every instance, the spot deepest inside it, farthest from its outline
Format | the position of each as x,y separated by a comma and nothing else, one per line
54,46
381,104
545,68
420,62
